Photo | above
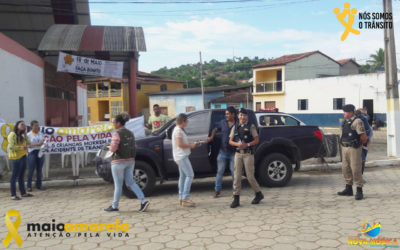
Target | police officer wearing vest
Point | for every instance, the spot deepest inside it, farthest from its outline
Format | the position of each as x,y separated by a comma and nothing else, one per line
353,136
244,137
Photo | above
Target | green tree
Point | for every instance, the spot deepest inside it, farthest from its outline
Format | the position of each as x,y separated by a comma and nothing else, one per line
377,60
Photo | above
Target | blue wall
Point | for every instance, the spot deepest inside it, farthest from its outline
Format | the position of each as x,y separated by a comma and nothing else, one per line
328,120
183,101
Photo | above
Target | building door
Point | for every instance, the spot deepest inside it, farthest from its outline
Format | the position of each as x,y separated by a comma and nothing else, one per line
104,110
369,105
258,106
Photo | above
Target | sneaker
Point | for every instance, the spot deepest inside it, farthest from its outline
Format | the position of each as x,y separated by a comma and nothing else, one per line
188,203
144,206
217,194
41,188
15,198
29,189
111,209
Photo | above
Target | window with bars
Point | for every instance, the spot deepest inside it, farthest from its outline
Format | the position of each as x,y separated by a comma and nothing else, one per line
338,103
116,108
302,104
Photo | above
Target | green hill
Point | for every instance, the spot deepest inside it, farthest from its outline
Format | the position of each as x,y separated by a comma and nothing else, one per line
215,73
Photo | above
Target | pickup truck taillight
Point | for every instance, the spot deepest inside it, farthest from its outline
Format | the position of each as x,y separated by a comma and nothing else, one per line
318,134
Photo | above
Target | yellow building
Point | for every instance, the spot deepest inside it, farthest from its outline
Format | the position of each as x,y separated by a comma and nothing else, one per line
269,77
268,88
109,97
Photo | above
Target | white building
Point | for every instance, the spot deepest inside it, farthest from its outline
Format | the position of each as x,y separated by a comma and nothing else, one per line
22,83
319,101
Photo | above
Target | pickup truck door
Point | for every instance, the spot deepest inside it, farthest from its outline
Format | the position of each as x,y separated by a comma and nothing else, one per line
197,129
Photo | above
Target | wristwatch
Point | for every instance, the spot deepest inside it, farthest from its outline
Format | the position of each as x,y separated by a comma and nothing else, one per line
248,145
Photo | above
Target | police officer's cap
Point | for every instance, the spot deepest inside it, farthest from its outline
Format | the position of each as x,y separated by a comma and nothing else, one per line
243,111
349,108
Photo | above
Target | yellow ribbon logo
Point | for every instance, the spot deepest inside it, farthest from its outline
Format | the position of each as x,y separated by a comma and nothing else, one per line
12,228
341,16
4,134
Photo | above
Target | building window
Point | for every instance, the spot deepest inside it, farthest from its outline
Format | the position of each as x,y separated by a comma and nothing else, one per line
21,107
91,90
163,87
338,103
116,108
103,89
302,104
258,106
164,110
269,104
190,108
138,86
115,90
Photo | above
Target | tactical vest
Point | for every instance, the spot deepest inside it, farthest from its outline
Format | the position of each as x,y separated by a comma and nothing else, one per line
350,136
243,133
126,148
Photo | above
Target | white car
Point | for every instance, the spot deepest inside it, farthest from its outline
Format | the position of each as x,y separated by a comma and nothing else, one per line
267,119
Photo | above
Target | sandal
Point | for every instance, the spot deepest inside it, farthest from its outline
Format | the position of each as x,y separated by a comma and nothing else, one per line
27,195
188,203
15,198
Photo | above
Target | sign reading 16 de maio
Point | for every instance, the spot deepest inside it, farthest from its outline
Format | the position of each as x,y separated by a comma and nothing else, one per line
89,66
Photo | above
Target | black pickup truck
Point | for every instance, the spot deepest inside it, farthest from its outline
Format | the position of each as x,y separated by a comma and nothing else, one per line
279,149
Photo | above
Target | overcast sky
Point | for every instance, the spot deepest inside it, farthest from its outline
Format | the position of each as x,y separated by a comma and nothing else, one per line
176,32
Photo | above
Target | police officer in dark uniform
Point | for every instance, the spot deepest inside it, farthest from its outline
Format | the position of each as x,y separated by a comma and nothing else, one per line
244,137
353,136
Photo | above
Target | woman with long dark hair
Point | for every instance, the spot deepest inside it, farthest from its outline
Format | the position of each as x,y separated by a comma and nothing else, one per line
123,162
18,143
181,151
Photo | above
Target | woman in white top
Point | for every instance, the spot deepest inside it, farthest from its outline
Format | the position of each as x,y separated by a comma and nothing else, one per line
181,151
34,161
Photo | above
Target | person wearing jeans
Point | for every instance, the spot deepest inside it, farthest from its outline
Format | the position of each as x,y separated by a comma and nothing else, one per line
227,152
18,143
181,151
123,162
34,161
124,172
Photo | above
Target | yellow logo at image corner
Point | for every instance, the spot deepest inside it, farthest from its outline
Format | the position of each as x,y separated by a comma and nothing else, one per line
341,16
12,228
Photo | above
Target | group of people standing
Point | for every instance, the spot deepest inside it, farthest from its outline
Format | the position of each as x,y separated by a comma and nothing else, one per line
238,137
23,150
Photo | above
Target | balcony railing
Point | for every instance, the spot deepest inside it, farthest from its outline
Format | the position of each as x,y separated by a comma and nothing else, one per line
269,87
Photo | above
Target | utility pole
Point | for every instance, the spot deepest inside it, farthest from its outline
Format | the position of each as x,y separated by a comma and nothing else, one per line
201,81
392,91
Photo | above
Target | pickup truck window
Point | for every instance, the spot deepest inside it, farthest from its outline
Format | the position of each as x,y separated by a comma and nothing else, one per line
277,120
196,124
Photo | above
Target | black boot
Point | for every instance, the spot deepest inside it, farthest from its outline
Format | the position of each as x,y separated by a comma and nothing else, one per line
359,194
235,202
258,198
348,191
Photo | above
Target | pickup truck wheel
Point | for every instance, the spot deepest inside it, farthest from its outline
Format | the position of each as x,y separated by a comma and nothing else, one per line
275,170
145,178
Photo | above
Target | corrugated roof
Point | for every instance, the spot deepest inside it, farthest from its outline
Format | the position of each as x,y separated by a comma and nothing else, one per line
235,98
198,90
283,60
62,37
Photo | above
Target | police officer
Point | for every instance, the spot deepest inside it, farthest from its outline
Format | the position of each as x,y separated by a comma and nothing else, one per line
244,137
353,136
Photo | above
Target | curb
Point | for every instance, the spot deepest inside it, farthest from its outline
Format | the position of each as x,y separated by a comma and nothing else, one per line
64,183
305,168
337,166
